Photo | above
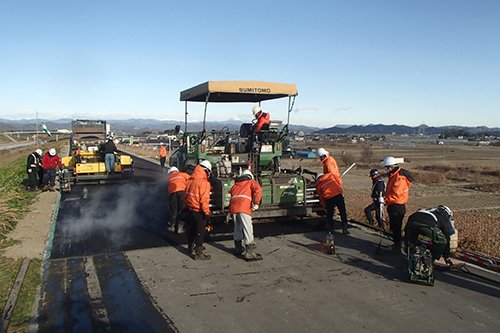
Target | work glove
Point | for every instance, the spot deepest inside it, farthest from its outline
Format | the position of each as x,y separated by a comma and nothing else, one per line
255,207
29,170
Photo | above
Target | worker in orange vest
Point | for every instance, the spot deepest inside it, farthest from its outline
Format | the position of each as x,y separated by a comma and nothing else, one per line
176,190
197,200
329,189
262,118
396,196
329,163
246,194
163,156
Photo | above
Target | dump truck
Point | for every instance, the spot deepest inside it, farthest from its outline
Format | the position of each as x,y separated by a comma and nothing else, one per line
86,161
286,193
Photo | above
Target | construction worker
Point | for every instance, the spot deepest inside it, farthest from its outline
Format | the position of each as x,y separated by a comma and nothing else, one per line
176,190
329,189
197,200
329,163
378,193
246,194
32,167
440,218
262,118
50,162
109,149
163,156
396,196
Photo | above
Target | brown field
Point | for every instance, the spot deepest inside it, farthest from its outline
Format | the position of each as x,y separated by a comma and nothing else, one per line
465,178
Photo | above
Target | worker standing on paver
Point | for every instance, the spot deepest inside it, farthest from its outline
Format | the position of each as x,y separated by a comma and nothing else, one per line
378,194
197,200
50,162
329,163
396,196
329,189
246,195
176,190
163,156
108,150
32,166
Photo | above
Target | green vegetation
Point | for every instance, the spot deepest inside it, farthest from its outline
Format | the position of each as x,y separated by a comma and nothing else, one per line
14,199
14,202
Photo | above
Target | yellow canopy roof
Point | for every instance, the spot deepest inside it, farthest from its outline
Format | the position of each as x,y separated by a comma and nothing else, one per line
238,91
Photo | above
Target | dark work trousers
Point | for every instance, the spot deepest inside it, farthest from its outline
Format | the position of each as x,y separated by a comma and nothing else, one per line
175,205
33,179
331,203
374,207
40,177
49,177
162,162
396,215
196,228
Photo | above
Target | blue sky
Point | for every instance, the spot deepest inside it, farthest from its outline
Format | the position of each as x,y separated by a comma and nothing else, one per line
354,62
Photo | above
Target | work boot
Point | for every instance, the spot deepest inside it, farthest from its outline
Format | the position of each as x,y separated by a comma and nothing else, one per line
45,188
345,231
171,227
181,229
250,254
238,248
52,189
200,255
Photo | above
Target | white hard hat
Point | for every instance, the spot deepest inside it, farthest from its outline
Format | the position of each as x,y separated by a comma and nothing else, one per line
52,152
206,164
322,152
389,161
256,109
247,173
39,152
172,169
161,143
318,176
446,210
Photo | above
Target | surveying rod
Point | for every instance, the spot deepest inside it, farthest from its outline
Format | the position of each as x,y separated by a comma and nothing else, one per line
349,168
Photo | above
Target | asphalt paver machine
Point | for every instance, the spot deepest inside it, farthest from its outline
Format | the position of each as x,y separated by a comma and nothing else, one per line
286,193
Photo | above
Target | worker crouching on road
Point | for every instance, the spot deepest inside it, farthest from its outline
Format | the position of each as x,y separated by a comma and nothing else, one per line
396,196
50,162
378,193
439,219
197,200
32,167
329,163
246,195
176,191
329,189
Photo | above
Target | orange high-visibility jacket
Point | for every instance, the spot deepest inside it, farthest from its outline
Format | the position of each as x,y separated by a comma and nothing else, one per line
163,152
244,193
262,119
177,181
328,186
396,191
197,195
330,166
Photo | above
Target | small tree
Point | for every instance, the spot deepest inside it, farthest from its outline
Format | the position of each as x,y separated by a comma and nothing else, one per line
367,155
348,159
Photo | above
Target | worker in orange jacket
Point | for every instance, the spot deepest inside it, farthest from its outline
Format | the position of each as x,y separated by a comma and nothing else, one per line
163,156
197,200
176,190
329,163
329,189
246,195
396,196
262,118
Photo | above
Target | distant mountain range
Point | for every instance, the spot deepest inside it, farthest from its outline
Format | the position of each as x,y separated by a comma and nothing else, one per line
154,125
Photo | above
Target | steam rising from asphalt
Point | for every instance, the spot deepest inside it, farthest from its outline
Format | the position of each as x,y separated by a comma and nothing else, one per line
109,210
